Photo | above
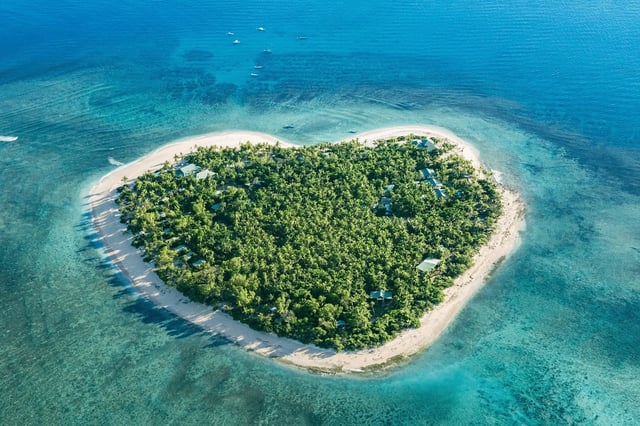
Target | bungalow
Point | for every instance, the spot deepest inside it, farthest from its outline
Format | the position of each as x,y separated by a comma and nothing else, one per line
427,265
199,263
187,170
203,174
427,173
435,183
381,295
386,203
424,144
180,248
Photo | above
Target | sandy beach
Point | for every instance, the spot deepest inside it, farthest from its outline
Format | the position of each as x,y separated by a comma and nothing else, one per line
117,246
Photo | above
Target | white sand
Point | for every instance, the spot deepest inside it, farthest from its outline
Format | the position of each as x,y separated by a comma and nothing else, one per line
118,247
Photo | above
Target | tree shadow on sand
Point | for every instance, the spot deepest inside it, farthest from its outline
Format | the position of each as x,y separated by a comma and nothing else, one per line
135,302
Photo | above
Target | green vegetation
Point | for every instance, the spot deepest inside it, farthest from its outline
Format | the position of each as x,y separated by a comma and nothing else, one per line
293,241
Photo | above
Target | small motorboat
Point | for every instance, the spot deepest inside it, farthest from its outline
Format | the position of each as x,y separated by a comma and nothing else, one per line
260,28
266,51
253,74
230,33
302,37
236,41
288,126
257,67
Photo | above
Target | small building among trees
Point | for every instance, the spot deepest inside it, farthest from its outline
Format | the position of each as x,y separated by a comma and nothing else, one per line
427,265
381,295
187,169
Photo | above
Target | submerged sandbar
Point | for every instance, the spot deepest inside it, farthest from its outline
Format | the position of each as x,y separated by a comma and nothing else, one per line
118,247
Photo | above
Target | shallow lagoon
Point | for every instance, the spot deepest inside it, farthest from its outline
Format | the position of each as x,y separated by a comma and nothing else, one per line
553,338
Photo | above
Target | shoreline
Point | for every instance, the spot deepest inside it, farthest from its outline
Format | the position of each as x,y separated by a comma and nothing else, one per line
117,246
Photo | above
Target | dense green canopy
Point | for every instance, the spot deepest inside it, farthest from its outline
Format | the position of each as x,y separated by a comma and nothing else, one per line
295,241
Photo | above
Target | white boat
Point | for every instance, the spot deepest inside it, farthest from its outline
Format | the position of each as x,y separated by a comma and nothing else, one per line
257,67
260,28
236,41
253,74
230,33
266,51
8,138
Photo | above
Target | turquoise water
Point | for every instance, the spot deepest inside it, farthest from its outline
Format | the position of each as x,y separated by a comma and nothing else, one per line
548,92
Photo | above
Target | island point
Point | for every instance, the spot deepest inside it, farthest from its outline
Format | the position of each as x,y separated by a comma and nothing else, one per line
339,257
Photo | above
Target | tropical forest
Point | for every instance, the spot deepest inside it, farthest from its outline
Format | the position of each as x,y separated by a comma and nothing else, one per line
340,245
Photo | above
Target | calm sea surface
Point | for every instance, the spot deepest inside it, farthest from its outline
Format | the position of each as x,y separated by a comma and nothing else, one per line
548,91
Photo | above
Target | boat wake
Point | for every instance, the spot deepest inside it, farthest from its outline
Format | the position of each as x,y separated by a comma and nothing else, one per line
8,138
115,162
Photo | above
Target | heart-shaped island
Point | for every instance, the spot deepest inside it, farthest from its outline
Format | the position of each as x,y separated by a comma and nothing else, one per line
341,246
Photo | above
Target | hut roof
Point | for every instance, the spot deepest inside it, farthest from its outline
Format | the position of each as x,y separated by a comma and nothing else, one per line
427,265
381,295
203,174
187,169
427,173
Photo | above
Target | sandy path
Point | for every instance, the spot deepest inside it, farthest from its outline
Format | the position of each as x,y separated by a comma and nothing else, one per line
127,258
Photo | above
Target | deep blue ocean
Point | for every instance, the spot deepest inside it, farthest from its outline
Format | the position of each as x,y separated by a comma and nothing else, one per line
548,91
